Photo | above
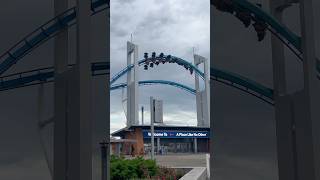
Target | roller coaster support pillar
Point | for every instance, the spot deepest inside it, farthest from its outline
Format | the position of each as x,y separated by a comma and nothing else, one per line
202,96
283,114
60,96
132,85
308,136
107,92
298,125
278,58
79,101
211,92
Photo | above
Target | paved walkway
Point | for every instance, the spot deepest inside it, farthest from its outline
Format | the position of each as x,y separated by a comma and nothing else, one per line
181,160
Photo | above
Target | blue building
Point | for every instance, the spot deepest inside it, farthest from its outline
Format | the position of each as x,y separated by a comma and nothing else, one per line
136,140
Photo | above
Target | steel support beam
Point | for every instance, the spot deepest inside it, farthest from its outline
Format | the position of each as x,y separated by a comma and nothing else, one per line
283,111
60,96
308,139
107,89
212,8
80,105
297,118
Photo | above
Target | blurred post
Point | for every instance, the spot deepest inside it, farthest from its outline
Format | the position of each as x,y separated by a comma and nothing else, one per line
152,126
104,161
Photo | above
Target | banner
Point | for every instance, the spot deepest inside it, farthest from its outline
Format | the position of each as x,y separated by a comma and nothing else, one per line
177,134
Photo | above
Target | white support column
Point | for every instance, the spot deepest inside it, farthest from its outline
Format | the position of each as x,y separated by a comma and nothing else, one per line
80,104
132,85
207,92
200,120
60,95
202,96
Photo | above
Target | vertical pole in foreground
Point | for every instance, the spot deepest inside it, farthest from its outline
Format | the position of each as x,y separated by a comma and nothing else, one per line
158,145
211,91
142,115
80,125
108,91
308,128
195,144
60,97
152,126
283,112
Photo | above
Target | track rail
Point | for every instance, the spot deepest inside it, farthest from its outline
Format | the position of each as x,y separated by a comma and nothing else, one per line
46,75
68,18
287,37
44,33
154,82
244,84
161,59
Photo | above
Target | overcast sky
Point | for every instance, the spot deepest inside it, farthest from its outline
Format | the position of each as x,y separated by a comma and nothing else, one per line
244,131
169,26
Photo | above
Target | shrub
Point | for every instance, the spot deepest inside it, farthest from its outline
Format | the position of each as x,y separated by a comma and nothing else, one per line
139,168
122,168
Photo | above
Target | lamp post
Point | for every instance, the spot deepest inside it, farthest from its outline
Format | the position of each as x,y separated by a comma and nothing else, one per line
152,126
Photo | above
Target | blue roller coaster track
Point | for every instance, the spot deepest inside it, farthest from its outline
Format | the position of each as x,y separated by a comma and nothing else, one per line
160,59
68,18
46,75
231,79
153,82
43,33
288,38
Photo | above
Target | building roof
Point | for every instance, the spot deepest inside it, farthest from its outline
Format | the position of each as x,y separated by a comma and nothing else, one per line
122,131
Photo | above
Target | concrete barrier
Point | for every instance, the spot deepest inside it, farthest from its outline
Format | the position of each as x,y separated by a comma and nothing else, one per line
197,173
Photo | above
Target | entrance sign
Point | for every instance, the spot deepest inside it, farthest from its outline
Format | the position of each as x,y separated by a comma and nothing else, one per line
177,134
